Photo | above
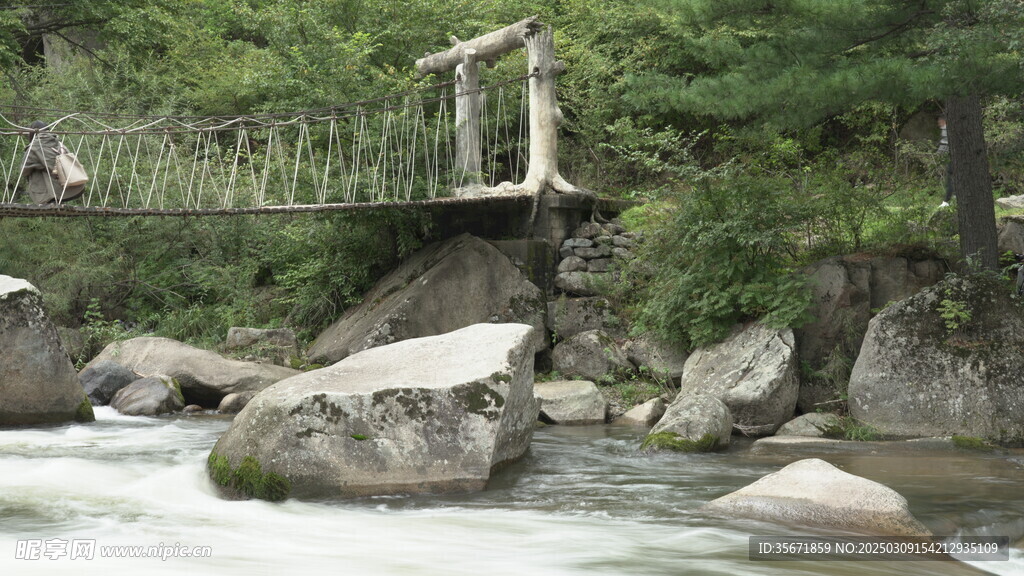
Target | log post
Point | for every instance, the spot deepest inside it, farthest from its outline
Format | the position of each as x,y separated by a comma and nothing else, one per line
488,47
467,121
545,116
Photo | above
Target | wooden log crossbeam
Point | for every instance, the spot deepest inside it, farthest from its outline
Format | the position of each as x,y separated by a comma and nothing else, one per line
488,47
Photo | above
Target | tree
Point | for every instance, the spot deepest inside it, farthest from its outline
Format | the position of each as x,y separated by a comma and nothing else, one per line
793,63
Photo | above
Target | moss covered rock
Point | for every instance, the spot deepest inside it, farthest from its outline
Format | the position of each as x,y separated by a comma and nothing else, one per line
946,361
692,423
434,414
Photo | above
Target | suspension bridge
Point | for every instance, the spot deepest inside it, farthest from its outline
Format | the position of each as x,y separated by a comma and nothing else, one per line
454,142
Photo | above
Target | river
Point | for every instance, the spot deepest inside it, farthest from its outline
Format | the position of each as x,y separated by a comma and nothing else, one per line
583,501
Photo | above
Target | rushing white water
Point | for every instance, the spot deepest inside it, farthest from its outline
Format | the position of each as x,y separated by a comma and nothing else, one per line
582,502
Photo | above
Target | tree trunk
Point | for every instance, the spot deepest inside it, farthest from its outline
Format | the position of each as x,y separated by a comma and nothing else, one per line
467,122
545,116
972,182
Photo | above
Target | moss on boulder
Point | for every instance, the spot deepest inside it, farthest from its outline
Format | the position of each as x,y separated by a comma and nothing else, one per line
945,362
248,479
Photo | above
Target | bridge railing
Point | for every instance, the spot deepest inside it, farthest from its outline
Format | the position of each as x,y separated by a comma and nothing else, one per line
395,148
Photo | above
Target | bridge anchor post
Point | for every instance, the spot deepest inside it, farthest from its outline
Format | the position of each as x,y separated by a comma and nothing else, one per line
467,123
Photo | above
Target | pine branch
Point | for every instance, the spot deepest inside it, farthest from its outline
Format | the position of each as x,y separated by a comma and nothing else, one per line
894,30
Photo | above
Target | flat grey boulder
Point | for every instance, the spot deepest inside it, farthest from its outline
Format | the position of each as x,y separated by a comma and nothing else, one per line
570,402
754,372
646,414
692,423
443,287
591,355
102,379
812,492
149,396
38,382
918,375
808,446
1011,202
434,414
812,425
205,377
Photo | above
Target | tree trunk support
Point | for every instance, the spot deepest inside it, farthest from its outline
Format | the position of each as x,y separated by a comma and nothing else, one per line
545,116
467,121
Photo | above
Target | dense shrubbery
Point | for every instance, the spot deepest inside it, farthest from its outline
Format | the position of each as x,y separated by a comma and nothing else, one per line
192,279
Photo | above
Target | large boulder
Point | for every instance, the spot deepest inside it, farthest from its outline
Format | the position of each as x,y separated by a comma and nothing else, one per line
653,358
38,383
434,414
444,287
922,374
812,492
591,355
1011,234
814,425
205,377
845,290
692,423
570,402
102,379
754,372
568,317
150,396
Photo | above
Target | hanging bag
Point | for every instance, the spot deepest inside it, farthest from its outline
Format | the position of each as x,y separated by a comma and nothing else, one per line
70,171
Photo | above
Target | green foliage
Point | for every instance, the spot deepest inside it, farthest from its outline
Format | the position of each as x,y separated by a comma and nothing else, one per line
972,443
954,313
721,259
98,331
193,279
552,376
84,412
850,428
795,63
635,392
676,443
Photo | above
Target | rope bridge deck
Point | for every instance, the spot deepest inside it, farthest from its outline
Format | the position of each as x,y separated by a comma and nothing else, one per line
66,210
389,152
